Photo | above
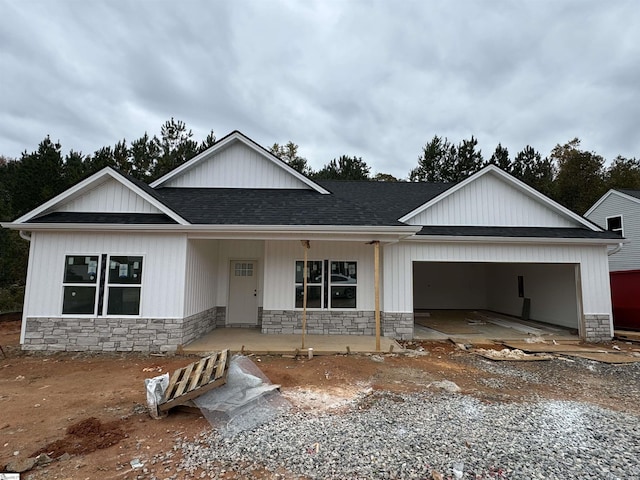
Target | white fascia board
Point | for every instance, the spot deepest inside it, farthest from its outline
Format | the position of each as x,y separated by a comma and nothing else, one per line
607,195
527,240
88,183
223,143
518,184
385,234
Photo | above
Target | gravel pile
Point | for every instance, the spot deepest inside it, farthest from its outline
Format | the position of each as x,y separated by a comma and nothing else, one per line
410,436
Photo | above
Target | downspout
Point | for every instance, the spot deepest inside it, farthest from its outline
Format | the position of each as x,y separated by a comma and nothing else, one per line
609,253
24,235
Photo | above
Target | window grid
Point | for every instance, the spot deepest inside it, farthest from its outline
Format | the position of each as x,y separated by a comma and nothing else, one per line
93,283
331,285
243,269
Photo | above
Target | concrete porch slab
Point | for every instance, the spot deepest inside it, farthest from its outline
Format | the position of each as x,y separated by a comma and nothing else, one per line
256,342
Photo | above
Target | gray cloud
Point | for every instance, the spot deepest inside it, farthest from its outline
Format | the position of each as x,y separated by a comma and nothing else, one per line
374,79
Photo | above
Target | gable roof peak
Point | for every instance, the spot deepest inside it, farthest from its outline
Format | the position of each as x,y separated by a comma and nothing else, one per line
229,139
98,178
514,182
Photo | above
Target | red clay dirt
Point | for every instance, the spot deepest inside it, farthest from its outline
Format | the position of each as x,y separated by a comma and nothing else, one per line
93,407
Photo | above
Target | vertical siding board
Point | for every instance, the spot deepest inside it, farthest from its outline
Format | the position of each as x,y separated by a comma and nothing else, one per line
237,166
110,196
489,201
163,269
628,258
399,259
280,268
201,271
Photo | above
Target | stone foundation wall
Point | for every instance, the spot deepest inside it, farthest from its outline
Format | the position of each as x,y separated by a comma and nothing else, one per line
221,317
103,334
117,334
395,325
197,325
597,328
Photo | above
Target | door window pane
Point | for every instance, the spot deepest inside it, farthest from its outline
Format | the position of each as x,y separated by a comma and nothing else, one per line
79,300
243,269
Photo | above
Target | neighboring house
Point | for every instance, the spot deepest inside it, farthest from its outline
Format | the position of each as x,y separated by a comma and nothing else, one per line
619,211
117,265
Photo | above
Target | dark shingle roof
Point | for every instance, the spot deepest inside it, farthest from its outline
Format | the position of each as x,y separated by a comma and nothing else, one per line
230,206
528,232
350,203
631,193
393,199
113,218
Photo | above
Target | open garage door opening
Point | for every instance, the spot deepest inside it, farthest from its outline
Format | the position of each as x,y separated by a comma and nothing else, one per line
496,299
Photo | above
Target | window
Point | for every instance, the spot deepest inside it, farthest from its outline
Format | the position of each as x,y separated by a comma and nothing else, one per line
123,289
614,224
86,284
344,279
243,269
329,284
314,284
79,284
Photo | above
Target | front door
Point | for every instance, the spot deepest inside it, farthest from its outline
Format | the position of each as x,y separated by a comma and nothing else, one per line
243,293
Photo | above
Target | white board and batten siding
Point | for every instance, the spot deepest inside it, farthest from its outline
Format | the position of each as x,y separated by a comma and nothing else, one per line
201,276
163,271
237,166
238,250
280,258
398,267
110,196
490,201
628,258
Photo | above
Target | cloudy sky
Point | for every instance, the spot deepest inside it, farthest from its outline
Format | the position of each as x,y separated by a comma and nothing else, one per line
376,79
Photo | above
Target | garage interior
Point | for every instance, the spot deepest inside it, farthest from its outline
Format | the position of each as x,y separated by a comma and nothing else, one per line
495,300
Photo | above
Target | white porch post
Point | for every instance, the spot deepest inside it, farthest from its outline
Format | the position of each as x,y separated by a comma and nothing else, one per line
376,282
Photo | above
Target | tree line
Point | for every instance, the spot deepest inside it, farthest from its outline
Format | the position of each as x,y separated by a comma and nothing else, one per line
573,177
570,175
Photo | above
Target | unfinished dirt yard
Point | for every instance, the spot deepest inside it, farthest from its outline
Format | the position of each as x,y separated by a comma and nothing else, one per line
88,413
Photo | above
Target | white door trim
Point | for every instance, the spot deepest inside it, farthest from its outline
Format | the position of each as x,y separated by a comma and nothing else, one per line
242,306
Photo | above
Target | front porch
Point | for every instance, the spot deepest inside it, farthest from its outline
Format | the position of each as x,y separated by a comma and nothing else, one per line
252,340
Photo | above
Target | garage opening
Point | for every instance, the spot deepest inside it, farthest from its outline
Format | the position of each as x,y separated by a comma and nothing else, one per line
459,298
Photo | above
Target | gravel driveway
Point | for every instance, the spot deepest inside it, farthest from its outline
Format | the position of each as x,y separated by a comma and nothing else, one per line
392,435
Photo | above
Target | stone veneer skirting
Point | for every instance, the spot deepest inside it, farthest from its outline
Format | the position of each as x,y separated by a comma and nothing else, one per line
597,328
166,334
395,325
118,334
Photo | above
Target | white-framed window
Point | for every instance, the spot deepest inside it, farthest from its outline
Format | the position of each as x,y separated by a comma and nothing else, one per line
331,284
79,285
243,269
102,284
124,284
614,224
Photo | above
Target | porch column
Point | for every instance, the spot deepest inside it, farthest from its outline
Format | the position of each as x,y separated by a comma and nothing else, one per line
306,245
376,283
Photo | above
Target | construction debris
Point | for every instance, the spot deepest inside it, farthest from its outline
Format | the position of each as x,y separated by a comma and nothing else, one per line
247,400
513,355
186,383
